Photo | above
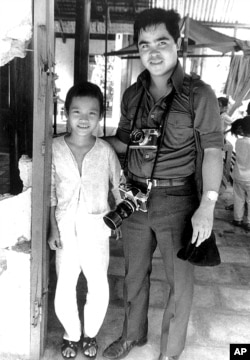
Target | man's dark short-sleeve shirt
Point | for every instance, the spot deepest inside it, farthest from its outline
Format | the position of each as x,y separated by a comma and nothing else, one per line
177,155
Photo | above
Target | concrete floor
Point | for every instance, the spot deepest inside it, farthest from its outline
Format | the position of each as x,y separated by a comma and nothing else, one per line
221,306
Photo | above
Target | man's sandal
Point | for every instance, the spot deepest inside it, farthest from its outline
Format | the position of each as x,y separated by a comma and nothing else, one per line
67,344
89,343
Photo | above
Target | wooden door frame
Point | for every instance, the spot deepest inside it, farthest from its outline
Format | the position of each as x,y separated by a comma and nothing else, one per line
43,69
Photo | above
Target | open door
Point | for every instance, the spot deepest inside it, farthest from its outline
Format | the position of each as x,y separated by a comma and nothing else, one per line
43,38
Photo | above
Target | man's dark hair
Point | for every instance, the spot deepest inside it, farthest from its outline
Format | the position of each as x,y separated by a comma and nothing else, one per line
223,100
157,16
84,88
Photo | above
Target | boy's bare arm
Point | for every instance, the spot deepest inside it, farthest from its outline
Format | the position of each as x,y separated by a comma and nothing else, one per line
54,240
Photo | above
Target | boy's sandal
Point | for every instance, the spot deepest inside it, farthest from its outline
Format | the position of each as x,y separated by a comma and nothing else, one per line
88,344
67,344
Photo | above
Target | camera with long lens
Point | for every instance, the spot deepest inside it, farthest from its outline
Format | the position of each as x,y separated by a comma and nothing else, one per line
144,139
133,199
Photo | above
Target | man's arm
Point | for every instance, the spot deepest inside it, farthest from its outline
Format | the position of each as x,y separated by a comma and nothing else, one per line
116,143
202,220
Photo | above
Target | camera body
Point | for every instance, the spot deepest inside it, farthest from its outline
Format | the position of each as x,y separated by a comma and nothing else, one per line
144,138
131,193
133,200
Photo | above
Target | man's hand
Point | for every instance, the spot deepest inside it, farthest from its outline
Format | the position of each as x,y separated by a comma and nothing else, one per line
203,217
202,222
54,240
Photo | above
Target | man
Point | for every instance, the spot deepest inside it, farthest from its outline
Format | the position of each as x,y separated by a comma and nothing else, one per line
173,198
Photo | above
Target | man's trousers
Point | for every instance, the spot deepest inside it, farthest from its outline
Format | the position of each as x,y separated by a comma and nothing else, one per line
169,209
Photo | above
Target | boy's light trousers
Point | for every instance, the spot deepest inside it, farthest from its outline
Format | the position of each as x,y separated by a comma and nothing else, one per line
85,248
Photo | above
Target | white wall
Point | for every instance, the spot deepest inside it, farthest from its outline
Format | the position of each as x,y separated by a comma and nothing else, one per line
64,68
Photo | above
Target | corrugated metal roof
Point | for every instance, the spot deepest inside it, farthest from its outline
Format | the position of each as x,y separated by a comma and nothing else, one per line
216,11
119,10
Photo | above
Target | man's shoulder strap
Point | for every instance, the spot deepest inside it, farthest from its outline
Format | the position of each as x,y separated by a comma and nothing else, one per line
193,79
190,81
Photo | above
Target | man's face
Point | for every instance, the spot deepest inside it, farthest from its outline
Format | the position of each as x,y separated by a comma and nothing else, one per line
158,50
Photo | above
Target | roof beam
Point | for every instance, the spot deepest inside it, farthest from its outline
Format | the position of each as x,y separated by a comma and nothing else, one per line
83,9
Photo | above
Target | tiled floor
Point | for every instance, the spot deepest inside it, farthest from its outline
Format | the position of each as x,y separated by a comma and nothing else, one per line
221,307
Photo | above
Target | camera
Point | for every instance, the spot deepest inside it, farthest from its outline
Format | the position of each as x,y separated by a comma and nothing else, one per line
144,138
133,199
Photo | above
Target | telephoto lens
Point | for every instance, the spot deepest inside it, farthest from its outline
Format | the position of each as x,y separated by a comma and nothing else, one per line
113,219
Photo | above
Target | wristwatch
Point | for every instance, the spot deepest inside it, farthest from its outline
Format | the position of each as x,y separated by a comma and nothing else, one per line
211,195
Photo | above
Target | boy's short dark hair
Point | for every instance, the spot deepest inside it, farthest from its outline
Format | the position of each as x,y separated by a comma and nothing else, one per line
157,16
84,88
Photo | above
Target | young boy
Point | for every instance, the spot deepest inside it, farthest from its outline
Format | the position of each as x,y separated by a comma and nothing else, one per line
83,167
241,171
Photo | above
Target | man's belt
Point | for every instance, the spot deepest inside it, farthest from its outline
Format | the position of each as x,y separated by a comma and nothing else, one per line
162,182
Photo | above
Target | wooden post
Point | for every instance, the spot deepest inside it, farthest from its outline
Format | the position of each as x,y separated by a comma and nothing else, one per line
83,9
41,168
106,69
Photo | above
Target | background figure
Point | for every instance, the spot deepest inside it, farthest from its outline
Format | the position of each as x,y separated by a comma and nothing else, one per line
241,172
226,120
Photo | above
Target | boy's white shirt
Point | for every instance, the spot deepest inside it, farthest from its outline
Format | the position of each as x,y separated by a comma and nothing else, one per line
100,168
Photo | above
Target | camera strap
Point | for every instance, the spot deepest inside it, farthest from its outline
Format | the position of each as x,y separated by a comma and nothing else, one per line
132,128
162,128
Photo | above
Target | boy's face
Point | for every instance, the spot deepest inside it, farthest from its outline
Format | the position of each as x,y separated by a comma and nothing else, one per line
83,115
158,50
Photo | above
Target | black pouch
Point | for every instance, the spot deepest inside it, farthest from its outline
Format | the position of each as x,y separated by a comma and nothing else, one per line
207,254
